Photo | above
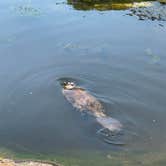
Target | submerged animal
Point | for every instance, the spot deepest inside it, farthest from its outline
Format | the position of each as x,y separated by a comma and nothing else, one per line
83,101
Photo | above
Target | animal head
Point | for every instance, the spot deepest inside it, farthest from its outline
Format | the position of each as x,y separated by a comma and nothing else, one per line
68,85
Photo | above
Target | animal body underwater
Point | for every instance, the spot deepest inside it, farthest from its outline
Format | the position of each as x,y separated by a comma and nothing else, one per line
83,101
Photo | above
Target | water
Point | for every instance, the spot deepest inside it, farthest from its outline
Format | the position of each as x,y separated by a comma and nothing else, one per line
117,58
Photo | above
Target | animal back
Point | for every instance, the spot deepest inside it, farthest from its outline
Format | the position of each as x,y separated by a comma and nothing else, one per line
82,100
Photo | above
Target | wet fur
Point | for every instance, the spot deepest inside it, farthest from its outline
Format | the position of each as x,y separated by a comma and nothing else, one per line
82,100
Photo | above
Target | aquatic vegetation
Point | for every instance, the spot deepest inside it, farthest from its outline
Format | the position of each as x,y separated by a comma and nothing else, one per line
10,158
142,9
89,158
107,4
162,1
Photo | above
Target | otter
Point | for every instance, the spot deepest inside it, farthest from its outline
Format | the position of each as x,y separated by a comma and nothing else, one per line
83,101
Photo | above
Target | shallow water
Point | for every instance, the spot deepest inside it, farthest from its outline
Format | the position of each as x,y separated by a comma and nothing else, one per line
115,57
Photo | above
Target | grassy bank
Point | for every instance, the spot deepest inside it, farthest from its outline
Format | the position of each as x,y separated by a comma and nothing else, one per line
91,158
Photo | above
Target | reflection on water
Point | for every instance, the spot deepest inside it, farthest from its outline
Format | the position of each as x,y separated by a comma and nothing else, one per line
107,4
119,60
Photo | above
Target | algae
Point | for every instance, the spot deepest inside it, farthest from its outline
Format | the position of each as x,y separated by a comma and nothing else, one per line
89,158
107,4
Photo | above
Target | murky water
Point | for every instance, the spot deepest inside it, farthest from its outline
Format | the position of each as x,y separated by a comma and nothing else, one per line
117,58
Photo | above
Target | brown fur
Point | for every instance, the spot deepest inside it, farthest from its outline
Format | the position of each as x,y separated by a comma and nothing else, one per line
82,100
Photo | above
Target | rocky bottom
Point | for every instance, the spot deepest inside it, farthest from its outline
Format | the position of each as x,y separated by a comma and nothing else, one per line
156,11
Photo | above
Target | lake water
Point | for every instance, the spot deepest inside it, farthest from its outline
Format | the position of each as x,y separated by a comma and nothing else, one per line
116,57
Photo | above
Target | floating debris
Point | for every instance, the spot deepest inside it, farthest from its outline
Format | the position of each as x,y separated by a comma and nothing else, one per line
27,10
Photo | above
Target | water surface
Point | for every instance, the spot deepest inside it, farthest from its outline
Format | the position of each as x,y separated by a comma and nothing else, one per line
117,58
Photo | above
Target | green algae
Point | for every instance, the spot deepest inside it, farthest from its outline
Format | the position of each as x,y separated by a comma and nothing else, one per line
89,158
106,4
6,153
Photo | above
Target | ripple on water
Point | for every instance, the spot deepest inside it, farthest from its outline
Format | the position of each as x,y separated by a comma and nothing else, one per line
35,106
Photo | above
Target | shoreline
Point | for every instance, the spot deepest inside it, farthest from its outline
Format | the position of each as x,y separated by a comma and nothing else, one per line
11,162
